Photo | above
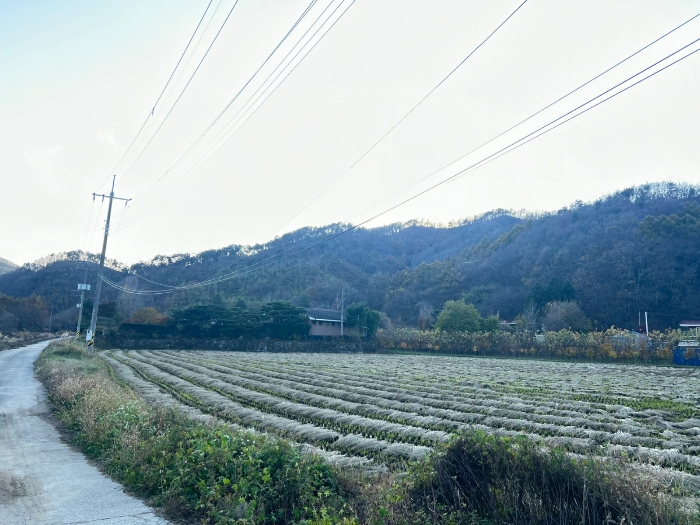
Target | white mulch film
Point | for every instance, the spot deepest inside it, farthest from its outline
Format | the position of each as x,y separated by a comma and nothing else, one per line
365,410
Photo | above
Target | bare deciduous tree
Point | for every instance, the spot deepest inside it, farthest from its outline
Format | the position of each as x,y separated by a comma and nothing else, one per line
531,317
128,303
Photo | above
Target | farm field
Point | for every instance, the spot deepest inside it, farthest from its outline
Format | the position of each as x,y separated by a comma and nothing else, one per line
388,409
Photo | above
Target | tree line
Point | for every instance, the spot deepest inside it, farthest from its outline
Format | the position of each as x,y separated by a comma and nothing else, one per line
274,320
25,313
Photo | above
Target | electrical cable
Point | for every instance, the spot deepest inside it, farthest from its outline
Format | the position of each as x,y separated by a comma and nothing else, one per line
503,132
535,113
500,134
221,113
262,85
150,114
503,151
139,215
190,168
218,142
199,41
488,159
398,123
183,90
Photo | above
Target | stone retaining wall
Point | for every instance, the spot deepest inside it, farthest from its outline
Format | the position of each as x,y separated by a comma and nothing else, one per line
241,345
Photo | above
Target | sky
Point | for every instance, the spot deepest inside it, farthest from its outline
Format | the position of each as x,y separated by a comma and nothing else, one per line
78,79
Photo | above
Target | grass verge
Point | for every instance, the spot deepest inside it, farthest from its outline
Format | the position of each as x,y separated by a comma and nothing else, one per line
214,474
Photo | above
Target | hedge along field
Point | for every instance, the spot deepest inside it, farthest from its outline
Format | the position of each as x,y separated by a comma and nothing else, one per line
392,409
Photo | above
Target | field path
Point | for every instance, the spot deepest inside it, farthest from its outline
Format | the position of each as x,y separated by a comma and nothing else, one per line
42,479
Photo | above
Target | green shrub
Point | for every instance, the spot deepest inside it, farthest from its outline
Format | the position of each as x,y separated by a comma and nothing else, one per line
482,478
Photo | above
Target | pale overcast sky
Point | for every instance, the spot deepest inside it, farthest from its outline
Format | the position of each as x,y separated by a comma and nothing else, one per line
78,78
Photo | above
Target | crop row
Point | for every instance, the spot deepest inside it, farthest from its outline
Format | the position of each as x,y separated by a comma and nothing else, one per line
644,451
462,410
328,418
476,396
155,395
449,420
214,402
450,391
579,399
623,381
490,401
242,384
315,396
593,405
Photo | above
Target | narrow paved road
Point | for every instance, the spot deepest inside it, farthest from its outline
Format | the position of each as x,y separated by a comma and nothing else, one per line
43,480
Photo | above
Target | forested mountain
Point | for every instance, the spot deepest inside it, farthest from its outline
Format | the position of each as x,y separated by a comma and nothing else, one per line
638,249
6,266
633,251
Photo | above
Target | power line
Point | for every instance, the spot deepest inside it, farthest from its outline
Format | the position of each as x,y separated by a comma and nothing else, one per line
199,40
138,216
183,89
503,151
150,114
257,95
519,123
257,91
221,113
398,123
484,161
539,111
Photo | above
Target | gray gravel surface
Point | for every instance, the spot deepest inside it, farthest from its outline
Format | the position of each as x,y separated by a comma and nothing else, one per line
42,479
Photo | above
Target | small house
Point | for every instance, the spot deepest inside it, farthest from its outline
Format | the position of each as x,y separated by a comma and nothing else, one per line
327,323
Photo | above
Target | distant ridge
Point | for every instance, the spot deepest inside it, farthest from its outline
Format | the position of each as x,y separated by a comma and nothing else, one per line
7,266
633,251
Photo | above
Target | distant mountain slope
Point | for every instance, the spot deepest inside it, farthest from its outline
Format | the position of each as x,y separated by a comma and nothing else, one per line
605,255
7,266
320,273
636,250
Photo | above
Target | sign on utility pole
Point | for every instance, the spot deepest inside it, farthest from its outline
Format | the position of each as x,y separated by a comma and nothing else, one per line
90,336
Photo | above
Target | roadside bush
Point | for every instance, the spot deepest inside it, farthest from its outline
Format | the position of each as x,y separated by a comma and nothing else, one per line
481,478
211,474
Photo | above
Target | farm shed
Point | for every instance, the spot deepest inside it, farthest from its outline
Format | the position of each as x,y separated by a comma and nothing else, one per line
326,323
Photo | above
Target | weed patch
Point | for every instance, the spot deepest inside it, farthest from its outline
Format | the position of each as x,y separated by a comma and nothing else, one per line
486,478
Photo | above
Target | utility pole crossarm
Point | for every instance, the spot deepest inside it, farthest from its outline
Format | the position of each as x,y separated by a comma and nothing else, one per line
98,287
103,196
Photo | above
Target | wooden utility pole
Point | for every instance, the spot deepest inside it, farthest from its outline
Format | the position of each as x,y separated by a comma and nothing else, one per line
90,337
